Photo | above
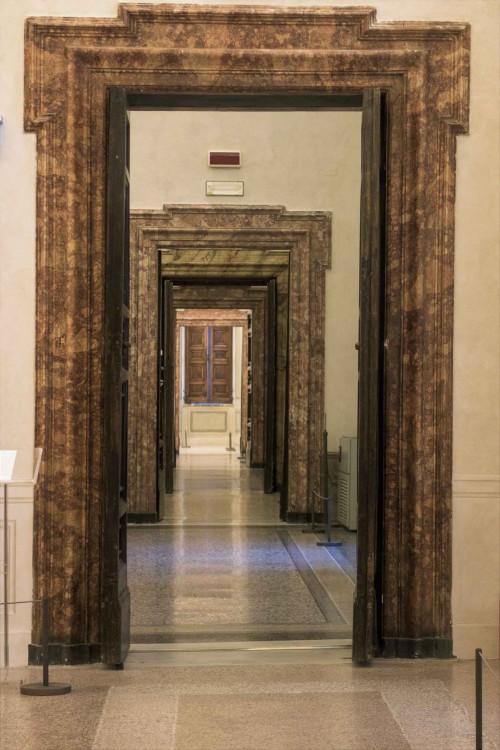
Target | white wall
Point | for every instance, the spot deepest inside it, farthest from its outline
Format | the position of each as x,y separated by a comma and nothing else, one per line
305,161
476,386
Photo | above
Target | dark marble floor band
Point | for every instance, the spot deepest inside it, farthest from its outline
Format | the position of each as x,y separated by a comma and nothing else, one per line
321,596
221,567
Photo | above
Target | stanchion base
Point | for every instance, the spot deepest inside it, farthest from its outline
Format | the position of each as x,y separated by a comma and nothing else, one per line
53,688
328,544
230,449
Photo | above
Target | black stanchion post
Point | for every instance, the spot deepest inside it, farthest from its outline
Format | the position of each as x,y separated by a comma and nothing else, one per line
479,700
326,492
312,528
44,687
45,642
329,512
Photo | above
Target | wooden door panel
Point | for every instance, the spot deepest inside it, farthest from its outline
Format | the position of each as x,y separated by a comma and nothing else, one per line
168,345
219,393
370,411
219,371
197,337
196,364
160,431
221,364
196,372
270,448
221,337
115,597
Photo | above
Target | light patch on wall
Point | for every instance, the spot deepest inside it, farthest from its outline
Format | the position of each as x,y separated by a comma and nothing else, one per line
224,188
208,421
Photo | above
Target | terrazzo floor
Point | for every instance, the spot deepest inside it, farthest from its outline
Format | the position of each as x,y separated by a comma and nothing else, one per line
282,700
250,695
220,566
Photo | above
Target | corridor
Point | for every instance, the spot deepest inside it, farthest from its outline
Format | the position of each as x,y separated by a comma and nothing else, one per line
220,566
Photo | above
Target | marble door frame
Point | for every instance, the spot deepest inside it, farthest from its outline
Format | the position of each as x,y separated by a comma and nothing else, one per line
247,242
227,298
424,70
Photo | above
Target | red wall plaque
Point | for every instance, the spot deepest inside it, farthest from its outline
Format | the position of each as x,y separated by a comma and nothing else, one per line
224,159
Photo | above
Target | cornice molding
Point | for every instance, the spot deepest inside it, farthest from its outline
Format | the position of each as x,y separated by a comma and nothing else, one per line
350,31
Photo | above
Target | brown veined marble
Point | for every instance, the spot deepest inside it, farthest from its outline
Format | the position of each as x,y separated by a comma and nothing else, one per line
424,68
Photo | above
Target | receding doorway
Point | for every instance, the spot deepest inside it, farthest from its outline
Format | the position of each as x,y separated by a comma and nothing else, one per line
194,247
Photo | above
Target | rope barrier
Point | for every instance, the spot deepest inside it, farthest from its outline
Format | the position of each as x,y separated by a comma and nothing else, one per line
319,496
479,695
490,668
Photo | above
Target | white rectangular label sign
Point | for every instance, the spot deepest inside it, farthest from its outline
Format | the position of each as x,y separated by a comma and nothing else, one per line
224,188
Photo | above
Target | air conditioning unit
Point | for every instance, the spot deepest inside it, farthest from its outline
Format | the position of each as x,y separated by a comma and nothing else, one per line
348,483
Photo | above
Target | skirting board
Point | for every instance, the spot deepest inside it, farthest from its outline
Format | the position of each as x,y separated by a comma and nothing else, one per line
417,648
66,654
142,517
303,517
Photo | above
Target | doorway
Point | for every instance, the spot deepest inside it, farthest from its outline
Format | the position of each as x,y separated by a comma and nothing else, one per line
292,246
347,50
175,235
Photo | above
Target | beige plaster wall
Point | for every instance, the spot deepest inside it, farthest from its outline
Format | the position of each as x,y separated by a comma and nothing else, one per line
476,385
305,161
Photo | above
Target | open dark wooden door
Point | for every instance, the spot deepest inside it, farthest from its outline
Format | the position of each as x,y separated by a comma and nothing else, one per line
221,364
370,410
160,427
197,367
115,611
269,438
167,416
248,376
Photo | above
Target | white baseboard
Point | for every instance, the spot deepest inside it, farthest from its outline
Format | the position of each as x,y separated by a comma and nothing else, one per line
476,485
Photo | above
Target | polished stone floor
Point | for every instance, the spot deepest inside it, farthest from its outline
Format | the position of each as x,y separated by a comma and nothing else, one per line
213,489
220,566
289,694
252,700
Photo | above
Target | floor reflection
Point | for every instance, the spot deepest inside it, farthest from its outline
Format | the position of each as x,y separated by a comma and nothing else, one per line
221,566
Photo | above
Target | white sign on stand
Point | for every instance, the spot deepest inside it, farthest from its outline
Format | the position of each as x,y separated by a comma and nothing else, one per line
7,461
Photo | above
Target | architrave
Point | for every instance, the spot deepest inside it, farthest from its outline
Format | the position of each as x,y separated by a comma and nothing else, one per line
196,298
259,242
195,301
424,69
